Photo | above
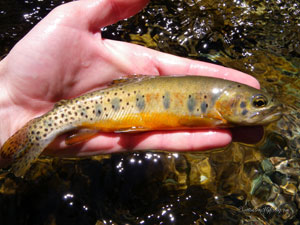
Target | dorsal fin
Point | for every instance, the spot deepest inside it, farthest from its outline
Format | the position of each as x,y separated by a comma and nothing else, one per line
129,79
60,103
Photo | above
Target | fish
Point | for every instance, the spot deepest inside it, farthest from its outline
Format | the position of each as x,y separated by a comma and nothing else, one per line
142,103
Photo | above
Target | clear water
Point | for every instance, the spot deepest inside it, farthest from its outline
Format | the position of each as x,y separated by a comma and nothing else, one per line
256,184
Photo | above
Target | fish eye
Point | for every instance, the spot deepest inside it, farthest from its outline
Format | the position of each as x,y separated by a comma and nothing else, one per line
259,101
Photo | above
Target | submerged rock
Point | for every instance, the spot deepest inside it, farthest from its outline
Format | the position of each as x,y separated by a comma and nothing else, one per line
244,183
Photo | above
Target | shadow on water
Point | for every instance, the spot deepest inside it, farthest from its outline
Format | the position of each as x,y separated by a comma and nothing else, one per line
245,183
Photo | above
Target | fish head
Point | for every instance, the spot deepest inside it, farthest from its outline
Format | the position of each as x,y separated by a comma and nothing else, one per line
246,106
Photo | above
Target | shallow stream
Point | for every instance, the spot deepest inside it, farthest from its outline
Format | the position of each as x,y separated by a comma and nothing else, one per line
241,184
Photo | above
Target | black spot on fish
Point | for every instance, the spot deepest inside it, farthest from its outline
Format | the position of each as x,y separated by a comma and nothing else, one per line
166,100
203,107
243,104
245,111
191,103
205,96
239,85
83,112
115,104
140,102
98,110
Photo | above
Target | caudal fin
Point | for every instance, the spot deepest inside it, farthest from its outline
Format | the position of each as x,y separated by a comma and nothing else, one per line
21,149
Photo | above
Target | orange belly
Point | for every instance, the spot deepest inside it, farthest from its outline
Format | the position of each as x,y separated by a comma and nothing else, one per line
154,121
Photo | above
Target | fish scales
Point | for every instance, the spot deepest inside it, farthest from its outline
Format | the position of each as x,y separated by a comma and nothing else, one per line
142,103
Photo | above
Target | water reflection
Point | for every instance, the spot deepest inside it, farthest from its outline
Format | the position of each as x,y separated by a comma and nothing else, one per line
254,183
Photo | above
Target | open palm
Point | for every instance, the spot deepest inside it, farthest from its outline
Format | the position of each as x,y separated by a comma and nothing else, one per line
65,56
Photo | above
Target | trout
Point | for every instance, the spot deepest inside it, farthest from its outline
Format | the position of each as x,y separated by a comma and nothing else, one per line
142,103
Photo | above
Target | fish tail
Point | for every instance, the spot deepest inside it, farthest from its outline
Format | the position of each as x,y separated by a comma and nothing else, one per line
22,149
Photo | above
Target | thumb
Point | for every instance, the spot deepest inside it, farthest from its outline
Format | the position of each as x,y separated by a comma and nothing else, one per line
94,14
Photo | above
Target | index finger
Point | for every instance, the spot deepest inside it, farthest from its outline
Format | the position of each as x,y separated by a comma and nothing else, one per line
135,59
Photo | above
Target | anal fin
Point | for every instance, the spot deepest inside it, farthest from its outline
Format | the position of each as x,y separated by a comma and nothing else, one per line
132,130
81,136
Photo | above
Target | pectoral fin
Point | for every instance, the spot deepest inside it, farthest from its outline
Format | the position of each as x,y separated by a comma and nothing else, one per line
199,122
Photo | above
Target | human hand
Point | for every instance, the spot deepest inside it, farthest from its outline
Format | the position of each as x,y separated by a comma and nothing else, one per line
65,56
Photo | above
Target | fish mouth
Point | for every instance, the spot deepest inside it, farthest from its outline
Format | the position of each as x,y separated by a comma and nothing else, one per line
273,114
272,117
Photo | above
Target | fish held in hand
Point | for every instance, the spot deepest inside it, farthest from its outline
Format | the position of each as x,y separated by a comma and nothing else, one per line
142,103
